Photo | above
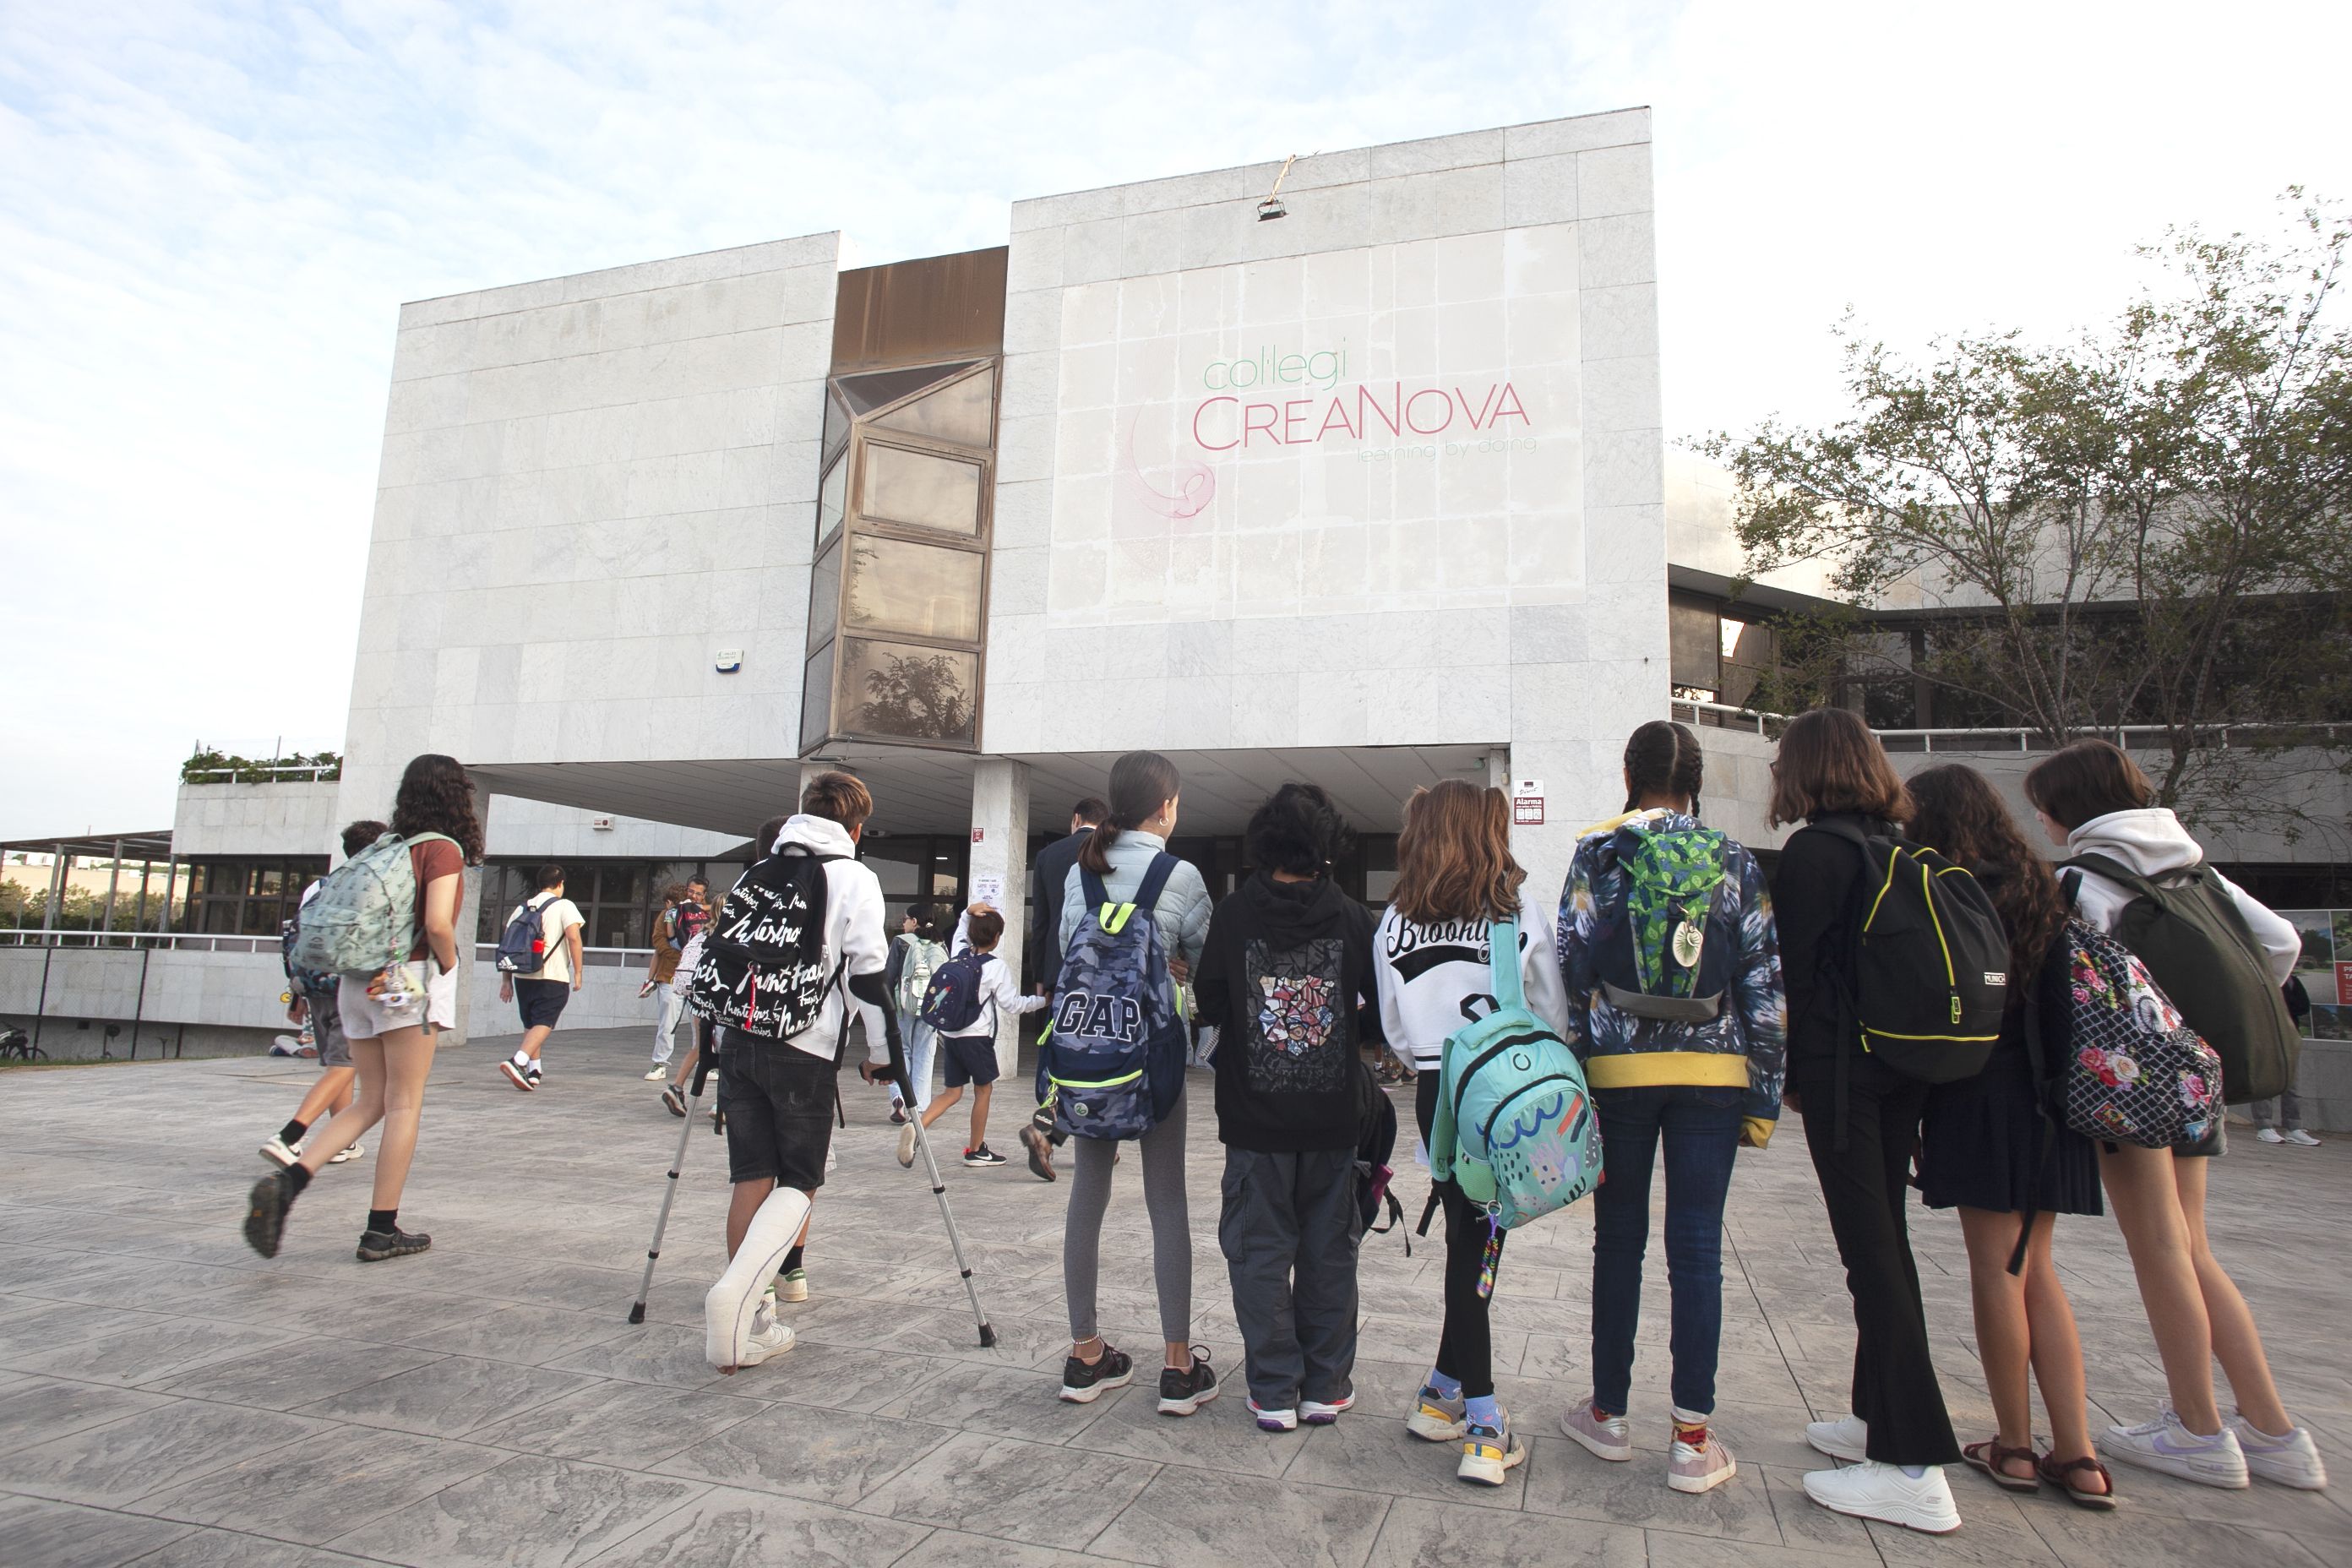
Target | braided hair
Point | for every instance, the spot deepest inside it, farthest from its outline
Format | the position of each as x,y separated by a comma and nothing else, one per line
1662,757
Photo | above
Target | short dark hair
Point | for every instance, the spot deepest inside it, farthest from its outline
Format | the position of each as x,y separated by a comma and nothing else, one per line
1090,811
837,797
984,926
360,834
764,843
1829,760
1298,832
2088,779
549,876
697,881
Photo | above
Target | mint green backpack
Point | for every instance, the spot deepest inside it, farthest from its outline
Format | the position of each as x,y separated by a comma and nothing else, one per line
364,918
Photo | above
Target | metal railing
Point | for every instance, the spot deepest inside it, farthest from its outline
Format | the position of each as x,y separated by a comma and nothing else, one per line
2016,738
264,773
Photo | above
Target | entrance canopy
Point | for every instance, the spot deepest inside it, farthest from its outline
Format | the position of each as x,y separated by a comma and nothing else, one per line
918,791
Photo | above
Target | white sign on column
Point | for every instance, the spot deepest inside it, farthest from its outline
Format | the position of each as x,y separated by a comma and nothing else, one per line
999,854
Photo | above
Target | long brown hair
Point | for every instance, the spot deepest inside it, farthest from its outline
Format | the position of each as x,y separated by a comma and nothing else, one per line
2090,778
1956,813
1454,857
1140,783
1829,760
437,795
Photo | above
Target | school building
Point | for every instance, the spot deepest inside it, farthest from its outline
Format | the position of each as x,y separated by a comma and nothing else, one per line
1361,481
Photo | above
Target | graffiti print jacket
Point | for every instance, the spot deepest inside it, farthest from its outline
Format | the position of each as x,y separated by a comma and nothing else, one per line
1744,1047
1286,978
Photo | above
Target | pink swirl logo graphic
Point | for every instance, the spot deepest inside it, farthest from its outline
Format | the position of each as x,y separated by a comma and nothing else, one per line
1196,483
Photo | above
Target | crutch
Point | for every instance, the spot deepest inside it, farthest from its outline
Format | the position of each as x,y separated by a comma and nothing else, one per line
938,1188
702,1067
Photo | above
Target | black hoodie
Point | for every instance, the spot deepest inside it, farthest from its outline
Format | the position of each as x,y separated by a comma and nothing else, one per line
1287,1048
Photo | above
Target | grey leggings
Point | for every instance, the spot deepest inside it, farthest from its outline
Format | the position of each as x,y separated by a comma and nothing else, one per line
1161,1153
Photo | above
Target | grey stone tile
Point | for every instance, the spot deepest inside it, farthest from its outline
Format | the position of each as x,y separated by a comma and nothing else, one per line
1007,1401
651,1353
114,1463
1188,1516
35,1409
1020,1491
1806,1525
836,1376
2077,1536
449,1397
528,1512
1668,1550
1220,1435
294,1373
630,1424
144,1348
954,1549
1370,1448
825,1455
754,1529
323,1489
1422,1534
1992,1531
495,1331
228,1549
62,1535
1562,1478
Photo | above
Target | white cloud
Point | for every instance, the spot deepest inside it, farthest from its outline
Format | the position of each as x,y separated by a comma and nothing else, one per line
209,214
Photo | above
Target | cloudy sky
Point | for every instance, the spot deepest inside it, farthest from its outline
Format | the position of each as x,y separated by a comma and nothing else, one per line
210,213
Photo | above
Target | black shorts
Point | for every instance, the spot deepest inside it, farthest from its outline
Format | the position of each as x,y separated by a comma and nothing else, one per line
970,1058
778,1102
540,1002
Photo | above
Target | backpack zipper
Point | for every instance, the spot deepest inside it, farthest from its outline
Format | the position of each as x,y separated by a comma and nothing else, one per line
1486,1132
1462,1079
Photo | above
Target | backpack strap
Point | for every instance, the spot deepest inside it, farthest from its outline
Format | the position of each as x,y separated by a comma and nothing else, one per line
2113,870
1503,962
1155,880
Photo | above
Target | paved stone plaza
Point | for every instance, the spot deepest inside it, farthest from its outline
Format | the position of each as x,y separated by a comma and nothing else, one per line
168,1398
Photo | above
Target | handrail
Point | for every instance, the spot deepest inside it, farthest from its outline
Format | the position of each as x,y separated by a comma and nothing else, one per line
199,942
268,772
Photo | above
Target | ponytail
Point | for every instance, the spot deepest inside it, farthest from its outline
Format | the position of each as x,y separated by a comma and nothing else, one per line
1662,757
1141,783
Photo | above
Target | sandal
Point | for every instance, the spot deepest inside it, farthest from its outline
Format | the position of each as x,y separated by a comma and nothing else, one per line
1992,1459
2063,1477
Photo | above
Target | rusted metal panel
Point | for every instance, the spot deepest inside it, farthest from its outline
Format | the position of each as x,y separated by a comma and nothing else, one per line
917,312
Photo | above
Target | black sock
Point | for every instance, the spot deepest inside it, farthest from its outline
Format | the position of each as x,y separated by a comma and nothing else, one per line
291,1133
382,1221
296,1178
792,1261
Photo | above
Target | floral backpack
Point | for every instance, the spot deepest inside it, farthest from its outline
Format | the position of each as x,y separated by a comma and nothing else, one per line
2136,1073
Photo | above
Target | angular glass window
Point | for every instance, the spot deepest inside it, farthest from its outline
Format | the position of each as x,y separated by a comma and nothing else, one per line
831,500
816,699
921,488
825,597
959,413
925,590
864,394
837,426
908,693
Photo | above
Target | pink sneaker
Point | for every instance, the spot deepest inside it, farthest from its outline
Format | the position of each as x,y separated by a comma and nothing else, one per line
1702,1466
1603,1437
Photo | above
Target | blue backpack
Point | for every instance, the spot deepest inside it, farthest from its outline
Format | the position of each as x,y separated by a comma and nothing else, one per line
952,999
1514,1128
522,946
1114,1064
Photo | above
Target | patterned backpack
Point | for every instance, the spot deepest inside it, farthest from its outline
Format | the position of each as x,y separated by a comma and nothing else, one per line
1656,962
364,918
1514,1128
761,969
1115,1061
2136,1073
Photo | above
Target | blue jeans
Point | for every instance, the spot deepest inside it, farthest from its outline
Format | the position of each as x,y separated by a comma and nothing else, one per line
1701,1127
918,1039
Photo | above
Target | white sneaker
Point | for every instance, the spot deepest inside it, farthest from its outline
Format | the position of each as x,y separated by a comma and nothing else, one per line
1610,1438
2303,1138
280,1151
1847,1437
907,1143
2289,1461
2167,1447
354,1152
2270,1135
1873,1490
657,1073
768,1338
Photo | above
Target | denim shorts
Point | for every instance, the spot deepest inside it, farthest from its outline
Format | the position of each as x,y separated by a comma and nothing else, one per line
778,1102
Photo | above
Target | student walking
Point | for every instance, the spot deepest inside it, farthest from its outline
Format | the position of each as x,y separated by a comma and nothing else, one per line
916,954
1042,956
694,924
669,938
1831,775
1993,1147
777,1092
973,991
1125,863
540,995
316,1005
390,1018
1286,977
2091,799
1672,969
2279,1118
1455,877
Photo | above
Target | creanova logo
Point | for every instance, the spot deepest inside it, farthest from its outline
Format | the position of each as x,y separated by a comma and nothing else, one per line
1223,423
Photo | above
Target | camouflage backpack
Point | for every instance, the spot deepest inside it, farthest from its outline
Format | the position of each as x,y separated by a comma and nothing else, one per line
1653,960
1115,1062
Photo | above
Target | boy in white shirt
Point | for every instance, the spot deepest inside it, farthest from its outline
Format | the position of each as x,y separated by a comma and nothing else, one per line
969,1048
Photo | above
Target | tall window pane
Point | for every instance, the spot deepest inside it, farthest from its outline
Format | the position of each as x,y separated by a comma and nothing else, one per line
909,693
825,597
832,497
816,696
920,488
928,590
959,413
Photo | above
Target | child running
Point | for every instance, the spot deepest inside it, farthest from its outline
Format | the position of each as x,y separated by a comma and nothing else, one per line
1285,978
332,1093
971,1047
1455,877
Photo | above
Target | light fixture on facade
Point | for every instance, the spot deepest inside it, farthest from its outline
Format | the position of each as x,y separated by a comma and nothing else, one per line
1272,207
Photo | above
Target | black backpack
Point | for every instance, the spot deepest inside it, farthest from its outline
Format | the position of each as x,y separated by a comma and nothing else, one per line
1376,1136
2187,929
763,969
1929,977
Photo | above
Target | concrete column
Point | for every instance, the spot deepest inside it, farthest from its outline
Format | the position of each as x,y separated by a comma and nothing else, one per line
999,865
469,909
60,867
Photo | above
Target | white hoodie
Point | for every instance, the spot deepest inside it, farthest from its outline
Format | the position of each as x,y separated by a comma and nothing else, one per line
2152,842
1424,972
853,927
